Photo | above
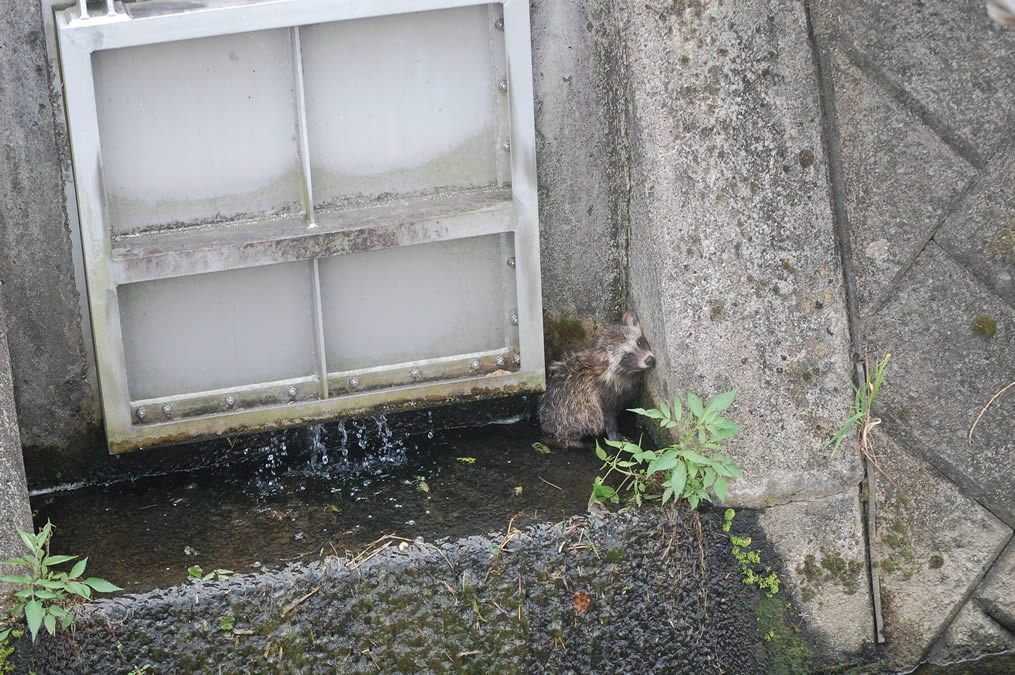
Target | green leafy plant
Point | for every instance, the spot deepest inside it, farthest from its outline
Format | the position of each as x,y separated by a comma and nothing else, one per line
768,580
227,624
689,466
541,448
48,592
197,575
466,460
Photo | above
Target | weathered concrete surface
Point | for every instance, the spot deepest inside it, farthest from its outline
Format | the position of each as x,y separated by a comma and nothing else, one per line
884,147
581,157
946,60
943,373
57,409
933,546
986,625
733,255
15,510
821,545
980,232
482,604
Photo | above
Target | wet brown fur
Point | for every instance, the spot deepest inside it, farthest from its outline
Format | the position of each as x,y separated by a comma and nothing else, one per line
587,389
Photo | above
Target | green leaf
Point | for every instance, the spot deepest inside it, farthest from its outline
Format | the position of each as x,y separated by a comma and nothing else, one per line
23,595
600,453
721,489
667,494
29,540
49,583
17,580
694,403
45,595
80,589
66,620
665,410
669,425
708,477
734,470
57,559
50,622
79,568
664,463
725,431
16,561
720,403
678,478
33,614
653,413
692,499
692,456
57,610
4,634
678,407
103,586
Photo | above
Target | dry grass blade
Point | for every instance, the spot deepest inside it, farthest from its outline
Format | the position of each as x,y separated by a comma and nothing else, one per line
378,545
996,396
300,601
549,483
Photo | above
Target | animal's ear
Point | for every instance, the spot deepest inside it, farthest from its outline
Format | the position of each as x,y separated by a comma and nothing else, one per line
630,319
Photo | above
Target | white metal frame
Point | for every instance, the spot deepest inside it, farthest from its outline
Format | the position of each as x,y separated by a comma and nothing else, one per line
326,395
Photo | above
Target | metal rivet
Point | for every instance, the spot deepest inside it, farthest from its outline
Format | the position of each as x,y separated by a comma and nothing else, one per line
414,373
502,85
505,145
518,359
292,391
230,401
501,361
141,413
511,261
354,382
167,410
474,364
499,24
514,319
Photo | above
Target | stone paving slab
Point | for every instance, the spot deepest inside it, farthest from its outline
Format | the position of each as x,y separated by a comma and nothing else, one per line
943,372
980,233
972,634
900,178
933,546
822,546
948,58
732,243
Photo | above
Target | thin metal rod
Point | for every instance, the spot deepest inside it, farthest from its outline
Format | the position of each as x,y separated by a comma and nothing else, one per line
301,125
319,345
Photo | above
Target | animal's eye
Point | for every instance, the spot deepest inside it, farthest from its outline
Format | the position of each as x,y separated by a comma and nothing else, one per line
642,342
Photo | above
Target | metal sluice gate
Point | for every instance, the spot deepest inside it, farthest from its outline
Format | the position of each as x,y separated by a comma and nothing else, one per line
300,210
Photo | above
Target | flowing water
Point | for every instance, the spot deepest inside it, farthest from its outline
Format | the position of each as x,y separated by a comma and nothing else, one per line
340,488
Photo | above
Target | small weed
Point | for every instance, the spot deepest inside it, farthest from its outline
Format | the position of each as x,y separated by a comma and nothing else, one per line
137,670
196,575
48,591
466,460
226,625
333,508
767,581
540,448
421,484
518,491
860,411
727,519
690,466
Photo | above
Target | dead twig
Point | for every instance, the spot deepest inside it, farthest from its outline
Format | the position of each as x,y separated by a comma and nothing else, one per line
300,601
977,420
549,483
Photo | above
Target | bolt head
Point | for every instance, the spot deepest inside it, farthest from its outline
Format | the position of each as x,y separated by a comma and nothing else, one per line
518,359
142,413
167,410
354,382
514,319
474,364
499,24
501,360
230,400
511,261
292,391
414,373
505,145
502,85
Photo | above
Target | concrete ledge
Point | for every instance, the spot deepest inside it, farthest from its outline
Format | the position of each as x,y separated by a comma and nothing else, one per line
482,604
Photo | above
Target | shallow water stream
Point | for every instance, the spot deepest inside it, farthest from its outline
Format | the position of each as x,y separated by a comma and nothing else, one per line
346,487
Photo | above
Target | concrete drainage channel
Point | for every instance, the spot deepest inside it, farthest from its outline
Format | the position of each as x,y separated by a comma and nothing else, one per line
527,584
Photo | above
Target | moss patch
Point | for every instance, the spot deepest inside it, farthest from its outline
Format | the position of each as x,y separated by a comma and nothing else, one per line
561,335
783,649
984,325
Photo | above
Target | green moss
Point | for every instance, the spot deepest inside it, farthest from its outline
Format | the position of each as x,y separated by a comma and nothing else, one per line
787,265
717,310
1003,244
984,325
894,540
807,376
889,565
783,649
936,562
561,335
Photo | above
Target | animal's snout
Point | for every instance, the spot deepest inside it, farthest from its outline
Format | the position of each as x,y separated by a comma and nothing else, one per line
650,362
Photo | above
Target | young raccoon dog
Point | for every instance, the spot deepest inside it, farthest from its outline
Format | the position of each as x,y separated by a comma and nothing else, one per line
586,391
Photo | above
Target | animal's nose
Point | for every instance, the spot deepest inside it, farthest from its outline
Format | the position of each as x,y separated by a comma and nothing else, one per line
650,362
